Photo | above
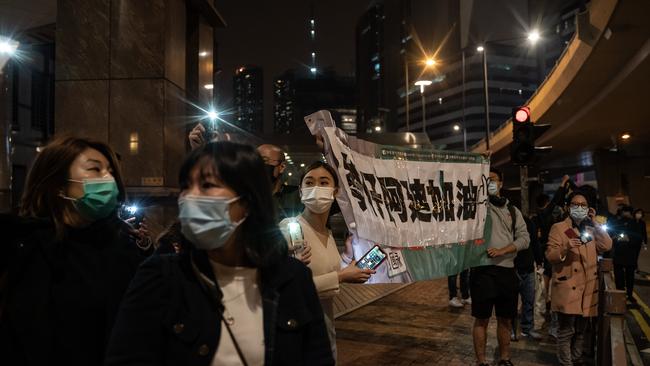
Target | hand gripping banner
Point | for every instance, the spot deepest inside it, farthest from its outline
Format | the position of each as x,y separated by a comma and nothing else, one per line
426,206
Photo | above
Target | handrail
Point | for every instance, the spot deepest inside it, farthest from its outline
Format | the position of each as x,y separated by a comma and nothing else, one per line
611,318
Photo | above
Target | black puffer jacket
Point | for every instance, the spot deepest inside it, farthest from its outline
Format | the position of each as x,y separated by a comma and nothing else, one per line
59,298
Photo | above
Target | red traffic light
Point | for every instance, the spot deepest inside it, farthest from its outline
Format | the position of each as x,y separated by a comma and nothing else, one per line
521,114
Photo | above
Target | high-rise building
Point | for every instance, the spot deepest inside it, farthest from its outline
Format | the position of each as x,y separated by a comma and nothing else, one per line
248,98
454,110
382,39
297,95
394,38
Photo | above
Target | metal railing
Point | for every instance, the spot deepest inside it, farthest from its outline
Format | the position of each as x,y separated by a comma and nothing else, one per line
611,318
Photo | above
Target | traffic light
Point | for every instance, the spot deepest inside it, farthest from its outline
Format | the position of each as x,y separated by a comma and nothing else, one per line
524,133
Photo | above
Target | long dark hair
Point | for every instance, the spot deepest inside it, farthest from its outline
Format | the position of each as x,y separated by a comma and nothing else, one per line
241,168
50,173
319,164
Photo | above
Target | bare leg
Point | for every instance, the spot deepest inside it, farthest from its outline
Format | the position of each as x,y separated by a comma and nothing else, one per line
504,326
480,338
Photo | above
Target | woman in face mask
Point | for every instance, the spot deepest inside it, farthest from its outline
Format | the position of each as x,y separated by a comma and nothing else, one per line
232,296
68,258
318,187
573,248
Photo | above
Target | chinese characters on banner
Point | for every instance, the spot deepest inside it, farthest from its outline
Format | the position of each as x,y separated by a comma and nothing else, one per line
400,197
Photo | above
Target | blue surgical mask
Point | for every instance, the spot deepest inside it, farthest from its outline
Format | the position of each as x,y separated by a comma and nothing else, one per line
205,220
578,213
493,188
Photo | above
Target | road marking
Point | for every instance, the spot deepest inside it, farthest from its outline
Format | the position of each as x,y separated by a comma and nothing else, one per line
642,323
643,305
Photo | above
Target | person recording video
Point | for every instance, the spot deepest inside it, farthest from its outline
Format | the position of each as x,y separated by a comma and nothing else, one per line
573,248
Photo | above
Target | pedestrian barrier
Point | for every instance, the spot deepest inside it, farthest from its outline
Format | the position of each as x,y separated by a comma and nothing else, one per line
611,318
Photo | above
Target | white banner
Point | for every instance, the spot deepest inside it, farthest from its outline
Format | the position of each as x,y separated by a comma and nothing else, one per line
399,197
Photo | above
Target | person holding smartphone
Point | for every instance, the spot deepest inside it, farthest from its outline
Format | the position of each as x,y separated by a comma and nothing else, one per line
573,248
318,187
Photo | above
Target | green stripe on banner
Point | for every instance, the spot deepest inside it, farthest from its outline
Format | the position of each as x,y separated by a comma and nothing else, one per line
446,260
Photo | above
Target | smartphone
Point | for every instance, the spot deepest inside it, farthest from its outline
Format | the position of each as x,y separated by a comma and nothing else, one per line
210,130
297,244
128,211
372,259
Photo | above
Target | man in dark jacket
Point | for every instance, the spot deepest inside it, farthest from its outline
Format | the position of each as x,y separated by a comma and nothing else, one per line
627,243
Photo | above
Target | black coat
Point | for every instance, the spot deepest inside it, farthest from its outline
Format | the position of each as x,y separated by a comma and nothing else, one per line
626,235
169,317
61,296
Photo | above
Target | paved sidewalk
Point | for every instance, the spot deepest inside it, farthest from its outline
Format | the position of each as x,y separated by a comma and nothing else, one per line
415,326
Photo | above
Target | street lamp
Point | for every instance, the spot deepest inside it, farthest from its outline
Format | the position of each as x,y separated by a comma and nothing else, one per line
422,84
532,37
8,48
457,128
428,62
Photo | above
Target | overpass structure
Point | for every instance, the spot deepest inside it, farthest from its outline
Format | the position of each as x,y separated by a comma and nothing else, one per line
596,93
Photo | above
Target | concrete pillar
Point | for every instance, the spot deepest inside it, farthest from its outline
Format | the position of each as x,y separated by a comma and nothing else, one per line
122,71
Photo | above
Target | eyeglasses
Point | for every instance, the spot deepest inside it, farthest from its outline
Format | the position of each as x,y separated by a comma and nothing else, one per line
576,205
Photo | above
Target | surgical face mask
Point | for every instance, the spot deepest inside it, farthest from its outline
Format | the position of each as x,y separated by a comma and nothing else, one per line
638,216
578,213
493,188
99,199
205,221
317,199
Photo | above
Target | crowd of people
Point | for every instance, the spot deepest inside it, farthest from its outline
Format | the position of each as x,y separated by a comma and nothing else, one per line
561,243
224,287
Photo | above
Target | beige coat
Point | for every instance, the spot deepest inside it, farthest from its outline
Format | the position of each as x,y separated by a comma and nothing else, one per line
575,270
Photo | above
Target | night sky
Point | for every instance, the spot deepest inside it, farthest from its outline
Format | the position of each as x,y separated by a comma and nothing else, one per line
274,35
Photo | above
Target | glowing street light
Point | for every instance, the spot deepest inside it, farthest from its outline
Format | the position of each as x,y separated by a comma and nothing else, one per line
209,86
213,115
534,36
313,70
480,48
626,136
378,128
456,128
429,62
422,84
8,46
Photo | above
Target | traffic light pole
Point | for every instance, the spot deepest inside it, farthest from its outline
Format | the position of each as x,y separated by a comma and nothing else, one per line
523,182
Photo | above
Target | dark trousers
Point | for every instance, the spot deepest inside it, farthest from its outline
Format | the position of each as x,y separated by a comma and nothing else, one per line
625,278
464,284
527,294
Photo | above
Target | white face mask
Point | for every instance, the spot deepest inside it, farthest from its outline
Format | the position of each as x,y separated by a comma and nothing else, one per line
493,188
317,199
638,216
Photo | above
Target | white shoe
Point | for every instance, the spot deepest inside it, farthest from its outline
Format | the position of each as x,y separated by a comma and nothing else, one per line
455,303
467,301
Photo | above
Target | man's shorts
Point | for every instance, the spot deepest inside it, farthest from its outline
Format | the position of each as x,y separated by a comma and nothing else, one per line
494,287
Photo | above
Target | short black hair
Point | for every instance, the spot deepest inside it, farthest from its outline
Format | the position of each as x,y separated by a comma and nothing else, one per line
579,192
542,200
498,172
319,164
639,210
241,168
